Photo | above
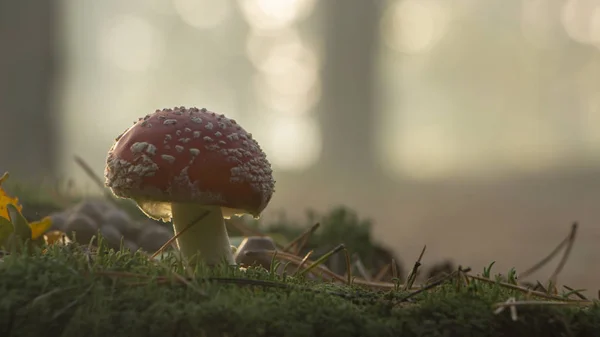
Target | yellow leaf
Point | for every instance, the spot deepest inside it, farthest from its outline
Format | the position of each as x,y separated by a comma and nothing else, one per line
5,199
38,228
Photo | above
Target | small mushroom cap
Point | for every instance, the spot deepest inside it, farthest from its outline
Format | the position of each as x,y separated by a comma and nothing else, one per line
83,225
59,220
253,243
153,237
119,219
189,156
93,208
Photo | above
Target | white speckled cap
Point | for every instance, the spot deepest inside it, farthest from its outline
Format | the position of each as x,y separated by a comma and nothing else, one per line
189,155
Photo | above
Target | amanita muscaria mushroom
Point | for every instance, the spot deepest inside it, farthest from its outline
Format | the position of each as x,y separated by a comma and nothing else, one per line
177,164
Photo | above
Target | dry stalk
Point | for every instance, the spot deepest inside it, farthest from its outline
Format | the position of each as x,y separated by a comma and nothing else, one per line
361,267
575,292
303,262
322,259
348,266
565,257
520,288
95,178
531,303
412,276
553,253
429,286
299,242
381,273
293,259
394,269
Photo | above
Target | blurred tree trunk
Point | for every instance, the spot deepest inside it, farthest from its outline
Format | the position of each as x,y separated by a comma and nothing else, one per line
27,137
348,108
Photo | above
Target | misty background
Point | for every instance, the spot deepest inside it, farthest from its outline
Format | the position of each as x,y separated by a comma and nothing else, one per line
470,126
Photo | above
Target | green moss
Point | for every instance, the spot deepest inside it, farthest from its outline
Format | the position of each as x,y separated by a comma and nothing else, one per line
339,225
66,292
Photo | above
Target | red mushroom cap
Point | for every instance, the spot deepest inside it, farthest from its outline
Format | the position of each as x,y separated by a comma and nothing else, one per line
189,155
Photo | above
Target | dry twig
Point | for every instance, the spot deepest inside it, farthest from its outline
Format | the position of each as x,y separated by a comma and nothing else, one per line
163,247
301,240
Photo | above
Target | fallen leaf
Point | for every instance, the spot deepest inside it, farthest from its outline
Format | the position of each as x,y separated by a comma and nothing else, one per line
21,225
38,228
10,210
5,199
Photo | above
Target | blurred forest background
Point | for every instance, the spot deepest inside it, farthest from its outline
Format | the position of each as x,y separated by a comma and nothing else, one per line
470,126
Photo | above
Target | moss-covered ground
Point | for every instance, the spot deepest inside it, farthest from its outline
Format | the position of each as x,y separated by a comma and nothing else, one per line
69,291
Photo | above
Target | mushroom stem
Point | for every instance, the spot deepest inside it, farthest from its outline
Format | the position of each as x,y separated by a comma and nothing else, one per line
207,239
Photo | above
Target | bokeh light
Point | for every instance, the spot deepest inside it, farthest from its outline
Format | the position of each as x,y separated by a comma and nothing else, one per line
203,14
291,103
292,142
131,43
590,121
414,26
425,152
581,20
274,14
531,146
259,43
161,7
538,23
288,78
217,95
